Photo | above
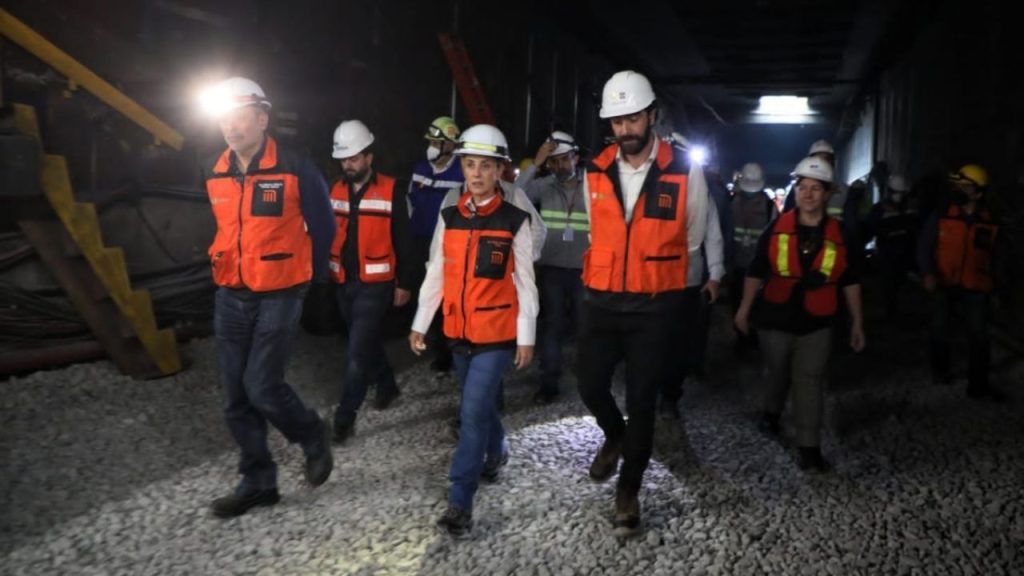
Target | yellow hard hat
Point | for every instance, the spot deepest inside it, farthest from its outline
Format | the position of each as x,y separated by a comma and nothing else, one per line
525,163
971,174
442,128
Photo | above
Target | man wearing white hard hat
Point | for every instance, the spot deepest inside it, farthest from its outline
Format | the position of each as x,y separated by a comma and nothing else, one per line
648,211
752,210
563,208
481,276
893,223
274,233
372,265
800,267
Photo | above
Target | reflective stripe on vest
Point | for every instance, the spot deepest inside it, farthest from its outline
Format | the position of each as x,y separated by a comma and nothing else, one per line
261,241
560,219
376,252
649,254
820,294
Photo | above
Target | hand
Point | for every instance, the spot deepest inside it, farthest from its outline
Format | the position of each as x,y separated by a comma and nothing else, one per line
524,355
742,322
416,343
930,282
711,289
857,341
543,152
402,297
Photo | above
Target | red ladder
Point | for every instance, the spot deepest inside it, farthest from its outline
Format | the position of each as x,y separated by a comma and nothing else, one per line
465,79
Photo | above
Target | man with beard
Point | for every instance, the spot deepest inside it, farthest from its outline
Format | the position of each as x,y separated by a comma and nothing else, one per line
563,209
371,261
648,212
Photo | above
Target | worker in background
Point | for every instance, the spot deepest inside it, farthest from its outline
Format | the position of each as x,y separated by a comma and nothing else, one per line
648,211
372,264
481,273
563,209
893,223
752,210
955,257
432,178
274,233
801,261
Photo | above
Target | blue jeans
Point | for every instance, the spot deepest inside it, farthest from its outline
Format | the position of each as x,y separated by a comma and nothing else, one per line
561,292
481,433
255,332
363,306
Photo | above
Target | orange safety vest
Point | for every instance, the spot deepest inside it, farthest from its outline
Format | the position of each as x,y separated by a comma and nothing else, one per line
376,252
820,293
261,241
480,301
963,253
649,254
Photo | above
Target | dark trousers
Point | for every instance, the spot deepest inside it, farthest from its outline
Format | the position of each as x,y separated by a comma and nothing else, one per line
606,337
254,332
561,292
974,307
684,341
736,281
363,306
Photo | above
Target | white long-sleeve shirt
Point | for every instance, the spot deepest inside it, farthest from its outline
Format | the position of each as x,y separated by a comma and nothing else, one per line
432,290
714,250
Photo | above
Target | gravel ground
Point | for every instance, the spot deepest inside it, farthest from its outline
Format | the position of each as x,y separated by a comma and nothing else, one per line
104,475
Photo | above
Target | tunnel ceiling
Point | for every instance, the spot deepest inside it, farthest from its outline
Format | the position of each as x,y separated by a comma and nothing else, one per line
717,58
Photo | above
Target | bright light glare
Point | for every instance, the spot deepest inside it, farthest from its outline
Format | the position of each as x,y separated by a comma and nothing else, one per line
213,101
698,155
783,106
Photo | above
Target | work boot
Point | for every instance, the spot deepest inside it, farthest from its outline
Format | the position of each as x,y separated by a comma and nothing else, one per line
627,513
492,466
769,424
606,460
456,521
321,463
809,459
545,396
343,431
384,400
670,409
242,500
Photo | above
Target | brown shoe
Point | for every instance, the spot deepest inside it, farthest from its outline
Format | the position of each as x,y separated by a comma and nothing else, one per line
627,514
606,461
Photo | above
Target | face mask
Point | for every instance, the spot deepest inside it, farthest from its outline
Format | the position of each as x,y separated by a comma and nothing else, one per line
432,153
566,176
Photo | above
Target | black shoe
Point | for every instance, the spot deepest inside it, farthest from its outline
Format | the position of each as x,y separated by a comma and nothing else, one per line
441,364
769,424
627,514
318,468
606,461
343,431
385,400
240,503
456,521
809,459
492,466
546,396
986,393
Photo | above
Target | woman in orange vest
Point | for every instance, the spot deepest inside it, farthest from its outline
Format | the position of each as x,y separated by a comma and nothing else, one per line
481,275
799,266
955,257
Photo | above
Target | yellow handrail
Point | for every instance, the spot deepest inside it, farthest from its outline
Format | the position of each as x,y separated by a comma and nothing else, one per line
60,61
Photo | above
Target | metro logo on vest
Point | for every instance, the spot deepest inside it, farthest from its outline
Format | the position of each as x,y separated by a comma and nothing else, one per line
269,198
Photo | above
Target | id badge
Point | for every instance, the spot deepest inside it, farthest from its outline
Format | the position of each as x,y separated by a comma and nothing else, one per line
567,235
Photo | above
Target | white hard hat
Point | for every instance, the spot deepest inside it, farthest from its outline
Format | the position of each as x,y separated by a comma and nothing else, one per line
897,182
812,167
821,146
626,92
751,177
564,143
231,94
483,140
350,138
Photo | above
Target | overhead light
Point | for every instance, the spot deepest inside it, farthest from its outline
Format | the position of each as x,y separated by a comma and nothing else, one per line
783,105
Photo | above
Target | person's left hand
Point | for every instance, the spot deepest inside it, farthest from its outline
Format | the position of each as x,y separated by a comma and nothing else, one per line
402,297
524,355
711,289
